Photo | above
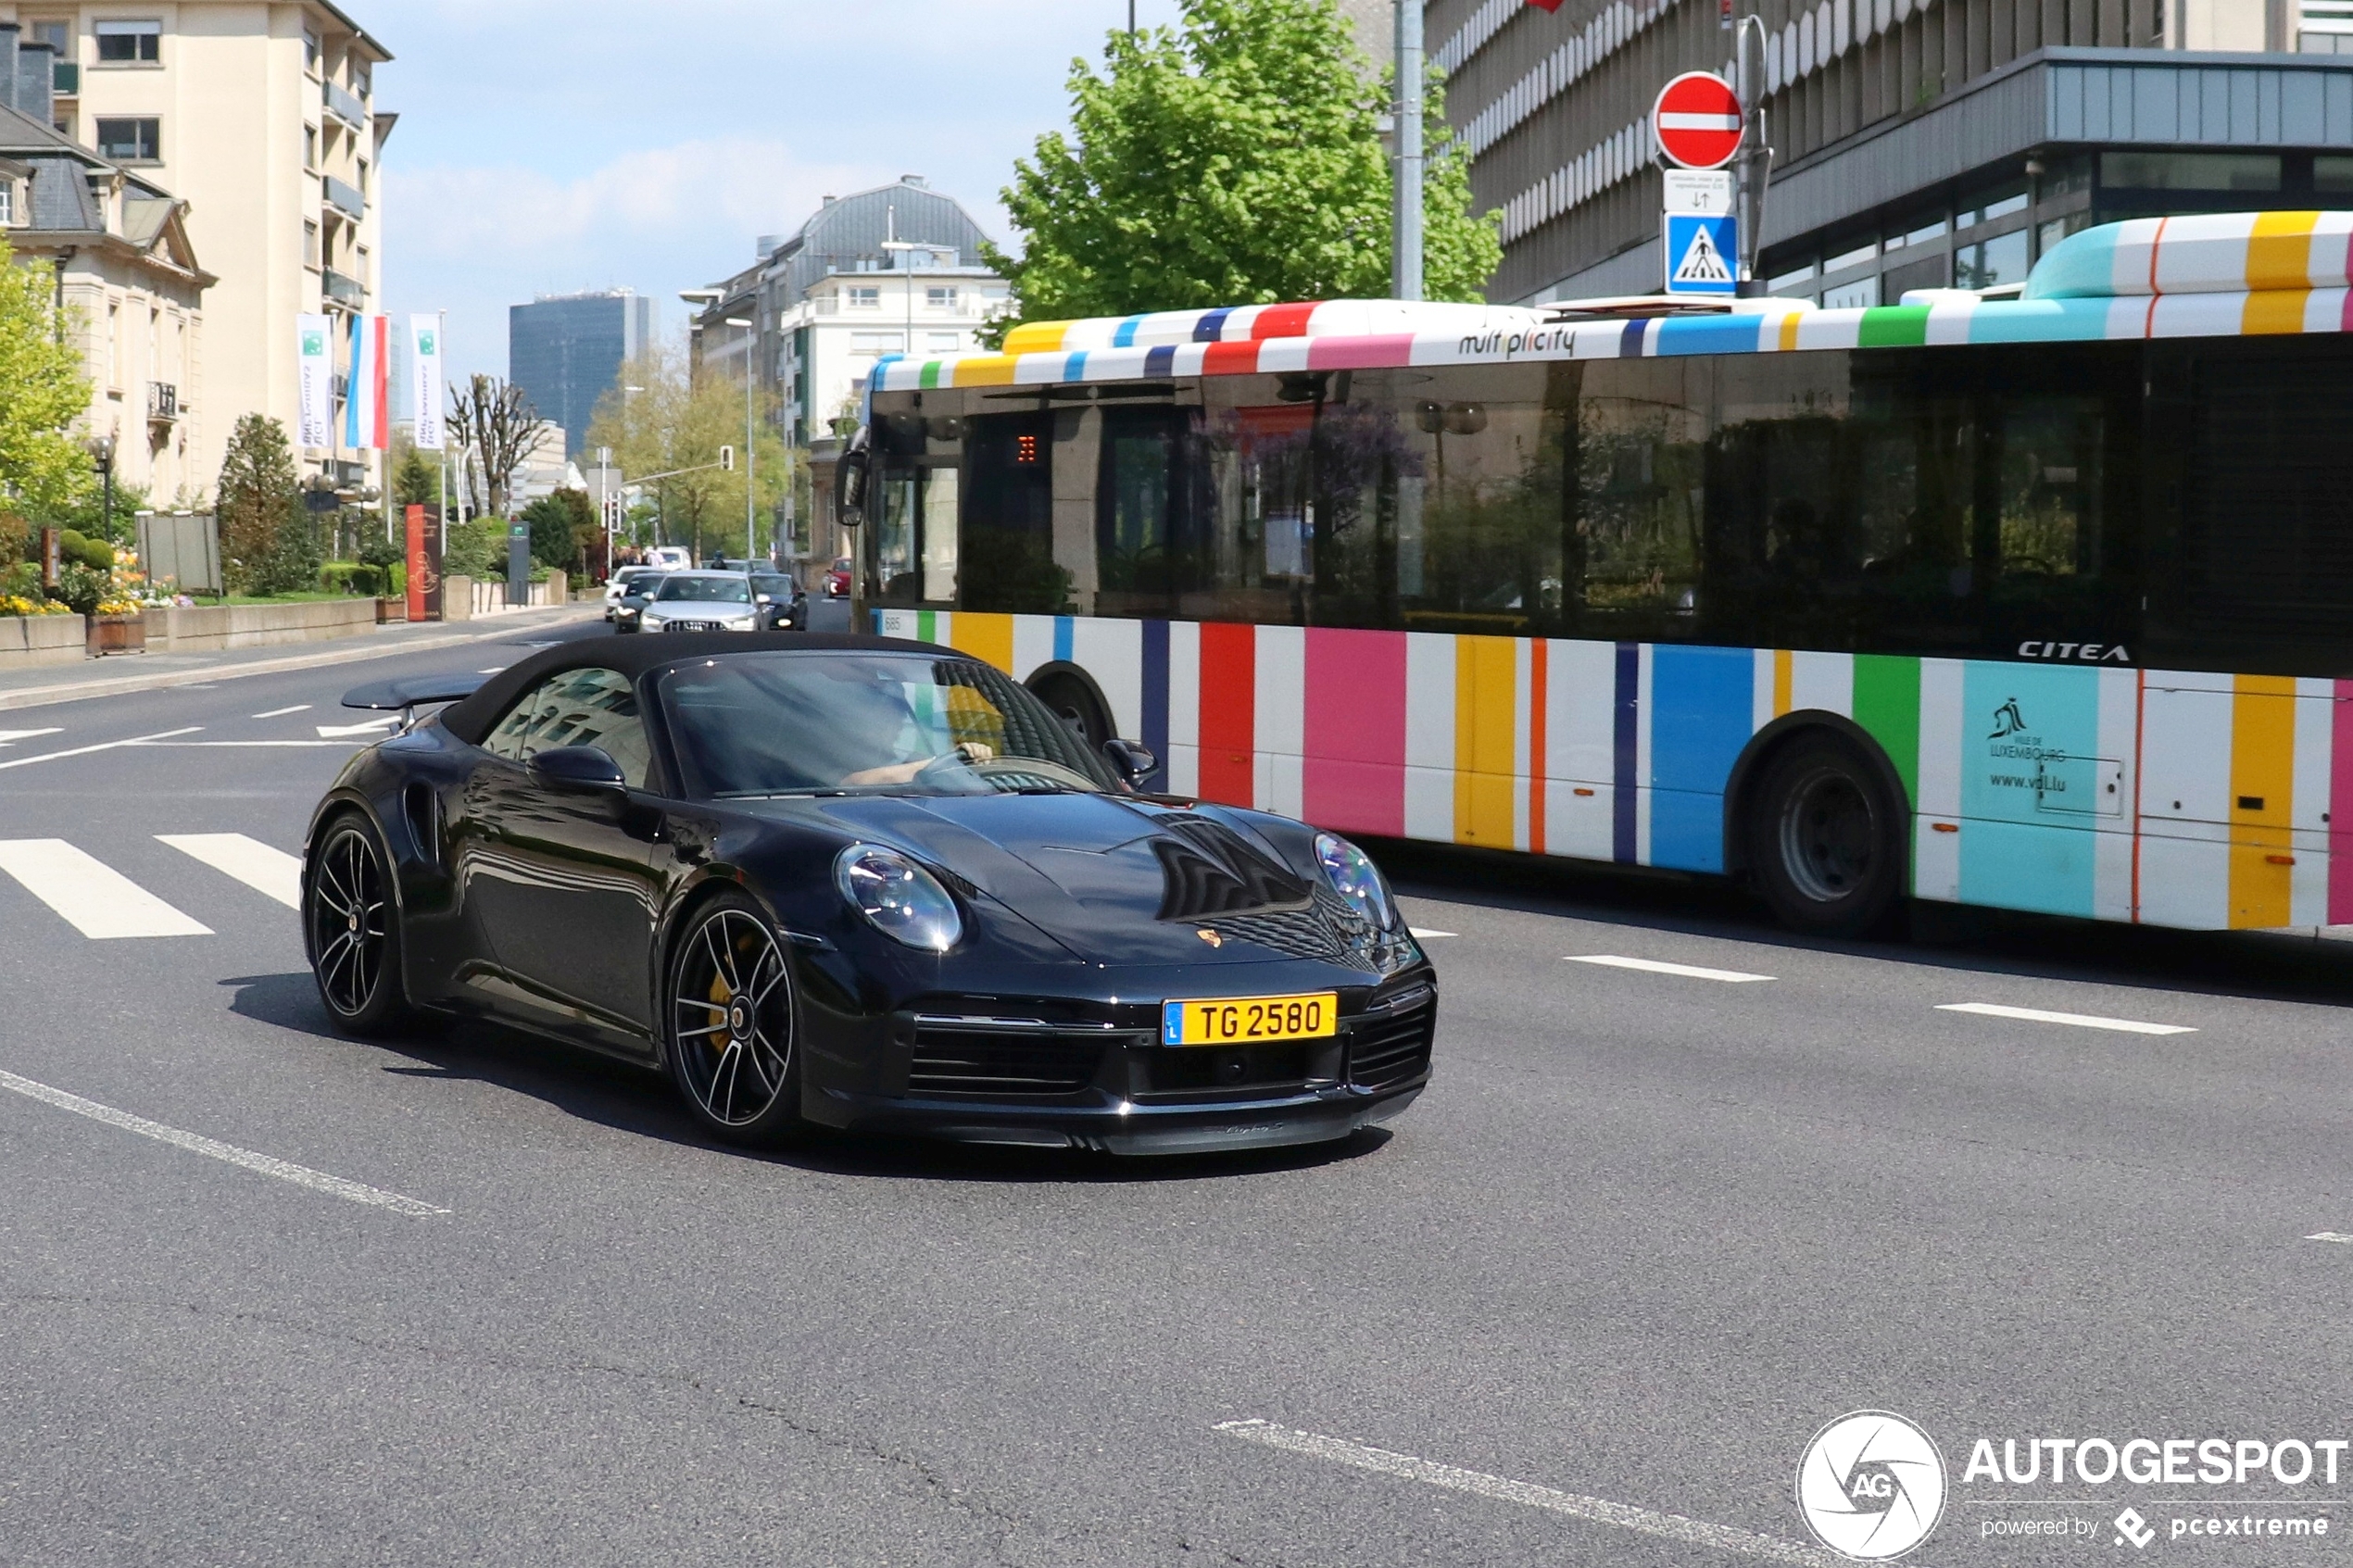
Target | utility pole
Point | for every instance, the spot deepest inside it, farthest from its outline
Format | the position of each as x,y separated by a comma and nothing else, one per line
1405,271
752,456
1753,164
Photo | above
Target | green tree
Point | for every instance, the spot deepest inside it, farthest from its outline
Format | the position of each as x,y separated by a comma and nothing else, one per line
262,522
415,481
1233,159
42,393
676,422
561,524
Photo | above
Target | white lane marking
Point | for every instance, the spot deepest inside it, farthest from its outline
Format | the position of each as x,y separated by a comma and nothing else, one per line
282,712
2331,1235
94,899
1425,933
1668,1526
258,866
108,745
1654,966
9,737
2079,1020
345,732
494,671
285,1170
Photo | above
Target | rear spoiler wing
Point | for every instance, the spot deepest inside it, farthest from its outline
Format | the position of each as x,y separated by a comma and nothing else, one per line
410,692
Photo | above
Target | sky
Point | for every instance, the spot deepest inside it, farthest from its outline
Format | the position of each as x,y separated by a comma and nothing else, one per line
548,147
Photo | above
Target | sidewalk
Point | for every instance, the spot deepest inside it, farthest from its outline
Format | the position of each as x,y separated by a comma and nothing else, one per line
119,673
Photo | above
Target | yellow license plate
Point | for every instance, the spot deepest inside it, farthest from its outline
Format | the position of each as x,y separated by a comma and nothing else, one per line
1248,1021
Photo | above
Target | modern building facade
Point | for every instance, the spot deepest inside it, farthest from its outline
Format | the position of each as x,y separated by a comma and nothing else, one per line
891,270
566,352
126,275
1919,144
259,115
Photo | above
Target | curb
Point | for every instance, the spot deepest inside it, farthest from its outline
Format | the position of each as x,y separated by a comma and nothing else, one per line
42,697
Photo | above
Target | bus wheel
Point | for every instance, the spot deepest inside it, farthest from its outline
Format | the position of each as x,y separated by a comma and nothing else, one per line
1825,841
1077,707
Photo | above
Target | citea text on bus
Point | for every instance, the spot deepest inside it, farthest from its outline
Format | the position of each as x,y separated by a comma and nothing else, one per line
2082,653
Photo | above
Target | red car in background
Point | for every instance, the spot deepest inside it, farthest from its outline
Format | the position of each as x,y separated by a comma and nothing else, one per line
838,580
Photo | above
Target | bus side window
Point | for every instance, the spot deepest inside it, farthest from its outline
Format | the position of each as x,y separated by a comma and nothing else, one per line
1008,560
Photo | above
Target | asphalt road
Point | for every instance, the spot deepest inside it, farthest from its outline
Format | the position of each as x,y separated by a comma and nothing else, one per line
1647,1233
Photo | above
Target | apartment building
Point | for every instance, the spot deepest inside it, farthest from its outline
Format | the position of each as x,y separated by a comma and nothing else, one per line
890,271
259,116
118,247
1919,144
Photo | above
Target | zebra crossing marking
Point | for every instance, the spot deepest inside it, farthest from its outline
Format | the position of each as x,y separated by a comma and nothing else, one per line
91,896
259,866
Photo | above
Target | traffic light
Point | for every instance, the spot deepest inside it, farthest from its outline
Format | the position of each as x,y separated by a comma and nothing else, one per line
727,459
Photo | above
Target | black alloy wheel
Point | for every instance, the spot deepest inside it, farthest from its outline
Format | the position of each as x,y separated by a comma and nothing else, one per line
730,1006
351,930
1826,842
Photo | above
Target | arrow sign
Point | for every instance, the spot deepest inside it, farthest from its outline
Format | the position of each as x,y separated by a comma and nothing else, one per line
1698,121
1700,248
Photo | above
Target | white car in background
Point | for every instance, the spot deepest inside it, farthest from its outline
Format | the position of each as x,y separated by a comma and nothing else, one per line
618,588
671,557
702,601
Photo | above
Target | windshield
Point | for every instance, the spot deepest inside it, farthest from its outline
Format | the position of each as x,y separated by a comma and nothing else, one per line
834,723
707,590
775,587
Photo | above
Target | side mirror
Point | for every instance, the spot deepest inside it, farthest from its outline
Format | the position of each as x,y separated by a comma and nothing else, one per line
1132,760
849,481
588,769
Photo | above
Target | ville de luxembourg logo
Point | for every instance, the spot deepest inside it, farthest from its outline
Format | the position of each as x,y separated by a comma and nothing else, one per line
1871,1485
314,345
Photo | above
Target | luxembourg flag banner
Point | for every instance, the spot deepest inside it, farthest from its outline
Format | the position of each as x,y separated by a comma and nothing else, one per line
366,412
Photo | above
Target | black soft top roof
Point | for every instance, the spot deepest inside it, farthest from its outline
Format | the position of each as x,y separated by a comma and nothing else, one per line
472,720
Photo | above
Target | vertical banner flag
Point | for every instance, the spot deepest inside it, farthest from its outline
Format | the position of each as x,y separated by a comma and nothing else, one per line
424,564
367,414
316,381
424,355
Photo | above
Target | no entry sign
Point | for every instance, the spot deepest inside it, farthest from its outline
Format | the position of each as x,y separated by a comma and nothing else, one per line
1698,121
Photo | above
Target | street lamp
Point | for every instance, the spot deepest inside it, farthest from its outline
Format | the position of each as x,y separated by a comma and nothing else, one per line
101,448
752,455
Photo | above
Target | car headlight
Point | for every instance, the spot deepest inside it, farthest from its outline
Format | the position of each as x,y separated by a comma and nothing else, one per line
899,897
1354,876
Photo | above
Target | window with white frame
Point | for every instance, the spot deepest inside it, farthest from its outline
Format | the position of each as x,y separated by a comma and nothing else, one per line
943,342
310,244
7,201
878,342
128,43
940,296
864,296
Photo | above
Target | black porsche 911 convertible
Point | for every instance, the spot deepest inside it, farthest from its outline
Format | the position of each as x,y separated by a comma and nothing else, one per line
859,884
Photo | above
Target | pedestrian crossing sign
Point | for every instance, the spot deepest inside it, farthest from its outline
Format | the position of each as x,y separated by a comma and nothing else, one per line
1703,252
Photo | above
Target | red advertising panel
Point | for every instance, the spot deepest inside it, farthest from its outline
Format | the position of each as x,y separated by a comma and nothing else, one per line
425,565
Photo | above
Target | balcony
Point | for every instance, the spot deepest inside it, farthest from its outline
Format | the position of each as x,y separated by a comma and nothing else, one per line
345,199
65,78
163,402
345,105
342,290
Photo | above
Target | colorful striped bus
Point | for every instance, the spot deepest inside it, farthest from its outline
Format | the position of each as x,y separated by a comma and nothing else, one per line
2044,604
